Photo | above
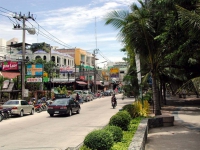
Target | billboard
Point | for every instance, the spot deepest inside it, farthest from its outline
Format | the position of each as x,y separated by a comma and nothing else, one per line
9,65
114,72
35,70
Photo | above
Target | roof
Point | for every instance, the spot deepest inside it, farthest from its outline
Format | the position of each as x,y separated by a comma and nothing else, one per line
18,45
9,75
40,51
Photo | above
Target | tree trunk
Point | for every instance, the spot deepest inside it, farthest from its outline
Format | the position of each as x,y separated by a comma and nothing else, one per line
164,93
155,96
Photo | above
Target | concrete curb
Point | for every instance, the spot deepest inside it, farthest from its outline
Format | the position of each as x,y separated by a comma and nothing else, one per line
140,137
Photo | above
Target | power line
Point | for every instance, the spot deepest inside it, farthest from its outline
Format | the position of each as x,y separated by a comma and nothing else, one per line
7,9
46,36
54,36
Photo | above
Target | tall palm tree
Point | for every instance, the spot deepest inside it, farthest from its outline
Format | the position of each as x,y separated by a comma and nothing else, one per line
137,31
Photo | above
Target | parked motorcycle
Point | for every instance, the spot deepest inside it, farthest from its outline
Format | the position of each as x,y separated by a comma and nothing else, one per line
1,116
6,112
38,108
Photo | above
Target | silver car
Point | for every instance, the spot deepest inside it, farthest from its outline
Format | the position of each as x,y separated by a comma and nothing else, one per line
19,107
87,96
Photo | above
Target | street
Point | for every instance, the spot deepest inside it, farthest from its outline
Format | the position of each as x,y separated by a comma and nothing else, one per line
42,132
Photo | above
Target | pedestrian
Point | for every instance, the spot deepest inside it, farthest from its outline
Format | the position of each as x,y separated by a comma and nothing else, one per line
78,98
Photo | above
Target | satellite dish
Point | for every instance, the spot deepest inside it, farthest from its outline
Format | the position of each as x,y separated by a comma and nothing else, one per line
31,31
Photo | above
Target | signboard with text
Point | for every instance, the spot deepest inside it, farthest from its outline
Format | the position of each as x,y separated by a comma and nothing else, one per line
35,70
114,72
9,65
34,79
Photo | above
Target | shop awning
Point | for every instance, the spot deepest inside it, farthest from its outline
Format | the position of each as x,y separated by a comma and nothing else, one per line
81,82
10,75
98,83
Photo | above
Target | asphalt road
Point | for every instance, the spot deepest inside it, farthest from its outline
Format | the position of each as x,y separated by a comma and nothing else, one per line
41,132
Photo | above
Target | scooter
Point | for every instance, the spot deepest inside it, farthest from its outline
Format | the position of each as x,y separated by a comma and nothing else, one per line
6,112
1,116
114,104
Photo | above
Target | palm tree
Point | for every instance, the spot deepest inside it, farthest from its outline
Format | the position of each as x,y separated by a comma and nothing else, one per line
137,31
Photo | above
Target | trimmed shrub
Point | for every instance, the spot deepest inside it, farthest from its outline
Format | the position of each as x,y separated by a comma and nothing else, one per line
116,132
130,109
99,140
121,119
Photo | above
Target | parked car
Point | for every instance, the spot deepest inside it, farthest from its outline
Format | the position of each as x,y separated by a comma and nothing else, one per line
65,106
108,92
19,107
87,96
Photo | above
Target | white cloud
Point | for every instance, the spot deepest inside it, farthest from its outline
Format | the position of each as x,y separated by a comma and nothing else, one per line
75,26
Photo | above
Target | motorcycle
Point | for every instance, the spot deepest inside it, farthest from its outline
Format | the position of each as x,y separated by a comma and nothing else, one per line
1,116
5,113
114,104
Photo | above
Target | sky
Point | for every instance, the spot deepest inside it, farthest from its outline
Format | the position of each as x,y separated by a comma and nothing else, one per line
71,23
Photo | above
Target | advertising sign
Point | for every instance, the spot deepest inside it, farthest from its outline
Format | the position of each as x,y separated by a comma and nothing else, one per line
66,70
114,72
35,70
34,80
9,65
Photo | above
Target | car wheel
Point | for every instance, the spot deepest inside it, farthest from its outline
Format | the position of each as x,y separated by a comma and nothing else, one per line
78,111
70,112
51,115
32,112
21,113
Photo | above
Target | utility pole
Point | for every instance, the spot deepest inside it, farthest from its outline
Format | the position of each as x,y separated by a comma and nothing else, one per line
31,31
95,70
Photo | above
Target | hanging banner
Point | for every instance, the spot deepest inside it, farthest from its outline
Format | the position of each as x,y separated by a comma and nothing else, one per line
9,65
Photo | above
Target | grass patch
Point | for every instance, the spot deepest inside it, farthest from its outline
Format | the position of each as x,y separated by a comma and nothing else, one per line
127,135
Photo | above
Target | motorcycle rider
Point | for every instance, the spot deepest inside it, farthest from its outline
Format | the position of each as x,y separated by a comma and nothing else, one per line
113,99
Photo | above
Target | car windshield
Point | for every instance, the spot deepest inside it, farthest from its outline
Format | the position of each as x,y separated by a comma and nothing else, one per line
12,102
61,102
79,92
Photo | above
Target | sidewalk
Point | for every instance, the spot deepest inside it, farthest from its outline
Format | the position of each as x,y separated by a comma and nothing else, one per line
185,134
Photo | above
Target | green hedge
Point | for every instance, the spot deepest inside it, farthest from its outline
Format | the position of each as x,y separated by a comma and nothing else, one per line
121,119
99,140
116,132
130,109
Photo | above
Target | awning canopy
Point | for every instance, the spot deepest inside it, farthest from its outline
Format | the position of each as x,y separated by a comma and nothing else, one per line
98,83
81,82
9,75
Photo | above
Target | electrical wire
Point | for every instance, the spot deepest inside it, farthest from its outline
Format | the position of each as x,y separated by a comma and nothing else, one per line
53,35
46,36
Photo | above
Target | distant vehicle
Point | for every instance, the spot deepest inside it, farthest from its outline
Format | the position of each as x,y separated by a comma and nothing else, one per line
108,92
65,106
87,96
19,107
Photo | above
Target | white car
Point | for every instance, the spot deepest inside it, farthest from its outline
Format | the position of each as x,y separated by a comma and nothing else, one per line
87,96
19,107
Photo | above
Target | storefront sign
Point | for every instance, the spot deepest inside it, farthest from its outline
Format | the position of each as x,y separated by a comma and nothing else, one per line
9,65
35,70
34,79
66,70
114,72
